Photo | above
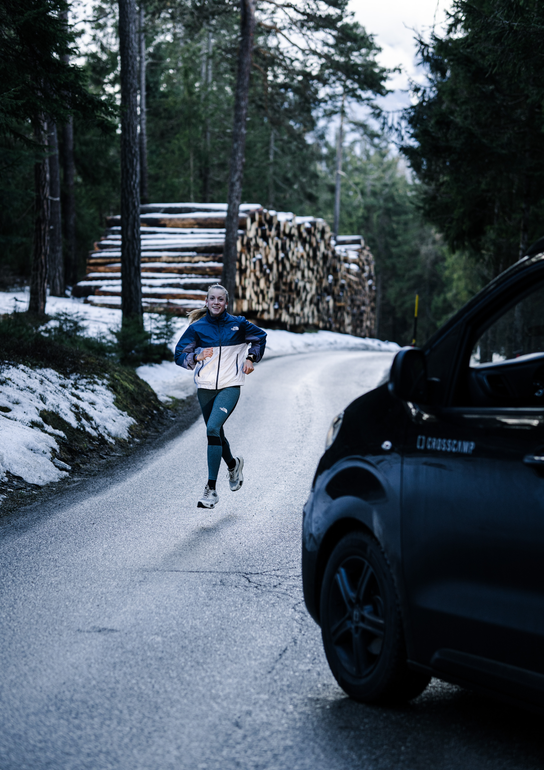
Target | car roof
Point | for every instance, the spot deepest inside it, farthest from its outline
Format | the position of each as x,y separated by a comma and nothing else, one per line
534,256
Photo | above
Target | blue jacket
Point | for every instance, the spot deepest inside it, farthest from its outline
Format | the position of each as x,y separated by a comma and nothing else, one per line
229,336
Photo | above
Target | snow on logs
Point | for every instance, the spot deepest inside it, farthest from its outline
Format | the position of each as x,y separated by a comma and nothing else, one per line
290,273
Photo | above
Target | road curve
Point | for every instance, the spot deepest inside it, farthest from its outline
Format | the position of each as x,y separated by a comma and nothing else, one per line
141,633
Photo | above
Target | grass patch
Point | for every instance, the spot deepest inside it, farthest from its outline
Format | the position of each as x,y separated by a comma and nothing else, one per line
22,342
136,345
80,448
65,347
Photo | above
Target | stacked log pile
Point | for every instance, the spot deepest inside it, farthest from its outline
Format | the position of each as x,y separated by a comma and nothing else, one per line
181,255
290,273
354,290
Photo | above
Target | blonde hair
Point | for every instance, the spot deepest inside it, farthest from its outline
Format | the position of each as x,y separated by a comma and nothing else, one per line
200,312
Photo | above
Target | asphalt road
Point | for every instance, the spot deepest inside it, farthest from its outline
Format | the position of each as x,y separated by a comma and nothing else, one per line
139,632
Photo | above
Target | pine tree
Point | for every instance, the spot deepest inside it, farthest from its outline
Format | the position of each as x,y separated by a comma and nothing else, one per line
37,85
475,133
411,257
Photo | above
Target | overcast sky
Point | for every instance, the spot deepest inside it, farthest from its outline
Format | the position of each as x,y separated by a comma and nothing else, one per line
394,23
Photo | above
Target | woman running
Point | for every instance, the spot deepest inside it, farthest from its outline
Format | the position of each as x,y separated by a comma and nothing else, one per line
215,345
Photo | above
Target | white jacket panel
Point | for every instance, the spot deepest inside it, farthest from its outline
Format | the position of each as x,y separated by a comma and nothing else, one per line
223,369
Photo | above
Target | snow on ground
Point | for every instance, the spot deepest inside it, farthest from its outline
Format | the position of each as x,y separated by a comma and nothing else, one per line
101,323
28,443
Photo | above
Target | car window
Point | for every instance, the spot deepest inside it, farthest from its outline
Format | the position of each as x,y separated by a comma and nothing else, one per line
518,332
440,362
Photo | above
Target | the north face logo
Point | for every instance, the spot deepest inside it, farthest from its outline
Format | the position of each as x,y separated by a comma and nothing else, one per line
235,328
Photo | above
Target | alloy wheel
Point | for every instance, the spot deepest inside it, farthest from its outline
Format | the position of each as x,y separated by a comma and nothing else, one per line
357,616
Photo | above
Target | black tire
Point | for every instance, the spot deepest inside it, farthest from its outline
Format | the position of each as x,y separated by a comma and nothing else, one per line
361,625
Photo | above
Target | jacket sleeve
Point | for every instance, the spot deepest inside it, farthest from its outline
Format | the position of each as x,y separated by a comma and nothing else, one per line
256,338
186,349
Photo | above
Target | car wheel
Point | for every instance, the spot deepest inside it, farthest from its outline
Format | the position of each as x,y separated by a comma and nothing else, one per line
361,625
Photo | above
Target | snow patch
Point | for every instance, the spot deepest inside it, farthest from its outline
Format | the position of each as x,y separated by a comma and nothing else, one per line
168,380
27,441
282,343
26,452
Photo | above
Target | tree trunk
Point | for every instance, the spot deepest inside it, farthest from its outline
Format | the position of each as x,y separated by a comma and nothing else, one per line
38,278
55,269
338,177
191,169
69,202
238,146
144,194
271,150
378,311
206,171
525,208
131,282
524,230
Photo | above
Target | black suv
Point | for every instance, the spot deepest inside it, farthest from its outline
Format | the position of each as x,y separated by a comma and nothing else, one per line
423,536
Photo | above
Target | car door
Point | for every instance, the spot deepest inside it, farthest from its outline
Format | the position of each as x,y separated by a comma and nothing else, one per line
473,501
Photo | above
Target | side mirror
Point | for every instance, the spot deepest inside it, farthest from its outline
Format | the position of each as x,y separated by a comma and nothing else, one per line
408,376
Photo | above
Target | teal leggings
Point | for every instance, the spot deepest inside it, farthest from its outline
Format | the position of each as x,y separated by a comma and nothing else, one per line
217,406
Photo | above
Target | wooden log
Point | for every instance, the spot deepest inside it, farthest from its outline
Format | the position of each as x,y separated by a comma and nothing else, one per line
179,220
155,267
200,296
180,269
178,247
167,259
191,208
179,308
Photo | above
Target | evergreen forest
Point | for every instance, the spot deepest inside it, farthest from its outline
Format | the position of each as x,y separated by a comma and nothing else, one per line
446,195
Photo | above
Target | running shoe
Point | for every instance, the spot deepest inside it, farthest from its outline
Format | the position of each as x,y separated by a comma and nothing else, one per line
236,478
209,499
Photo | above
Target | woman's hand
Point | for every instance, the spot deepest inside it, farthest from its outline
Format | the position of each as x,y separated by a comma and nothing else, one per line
248,366
206,353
